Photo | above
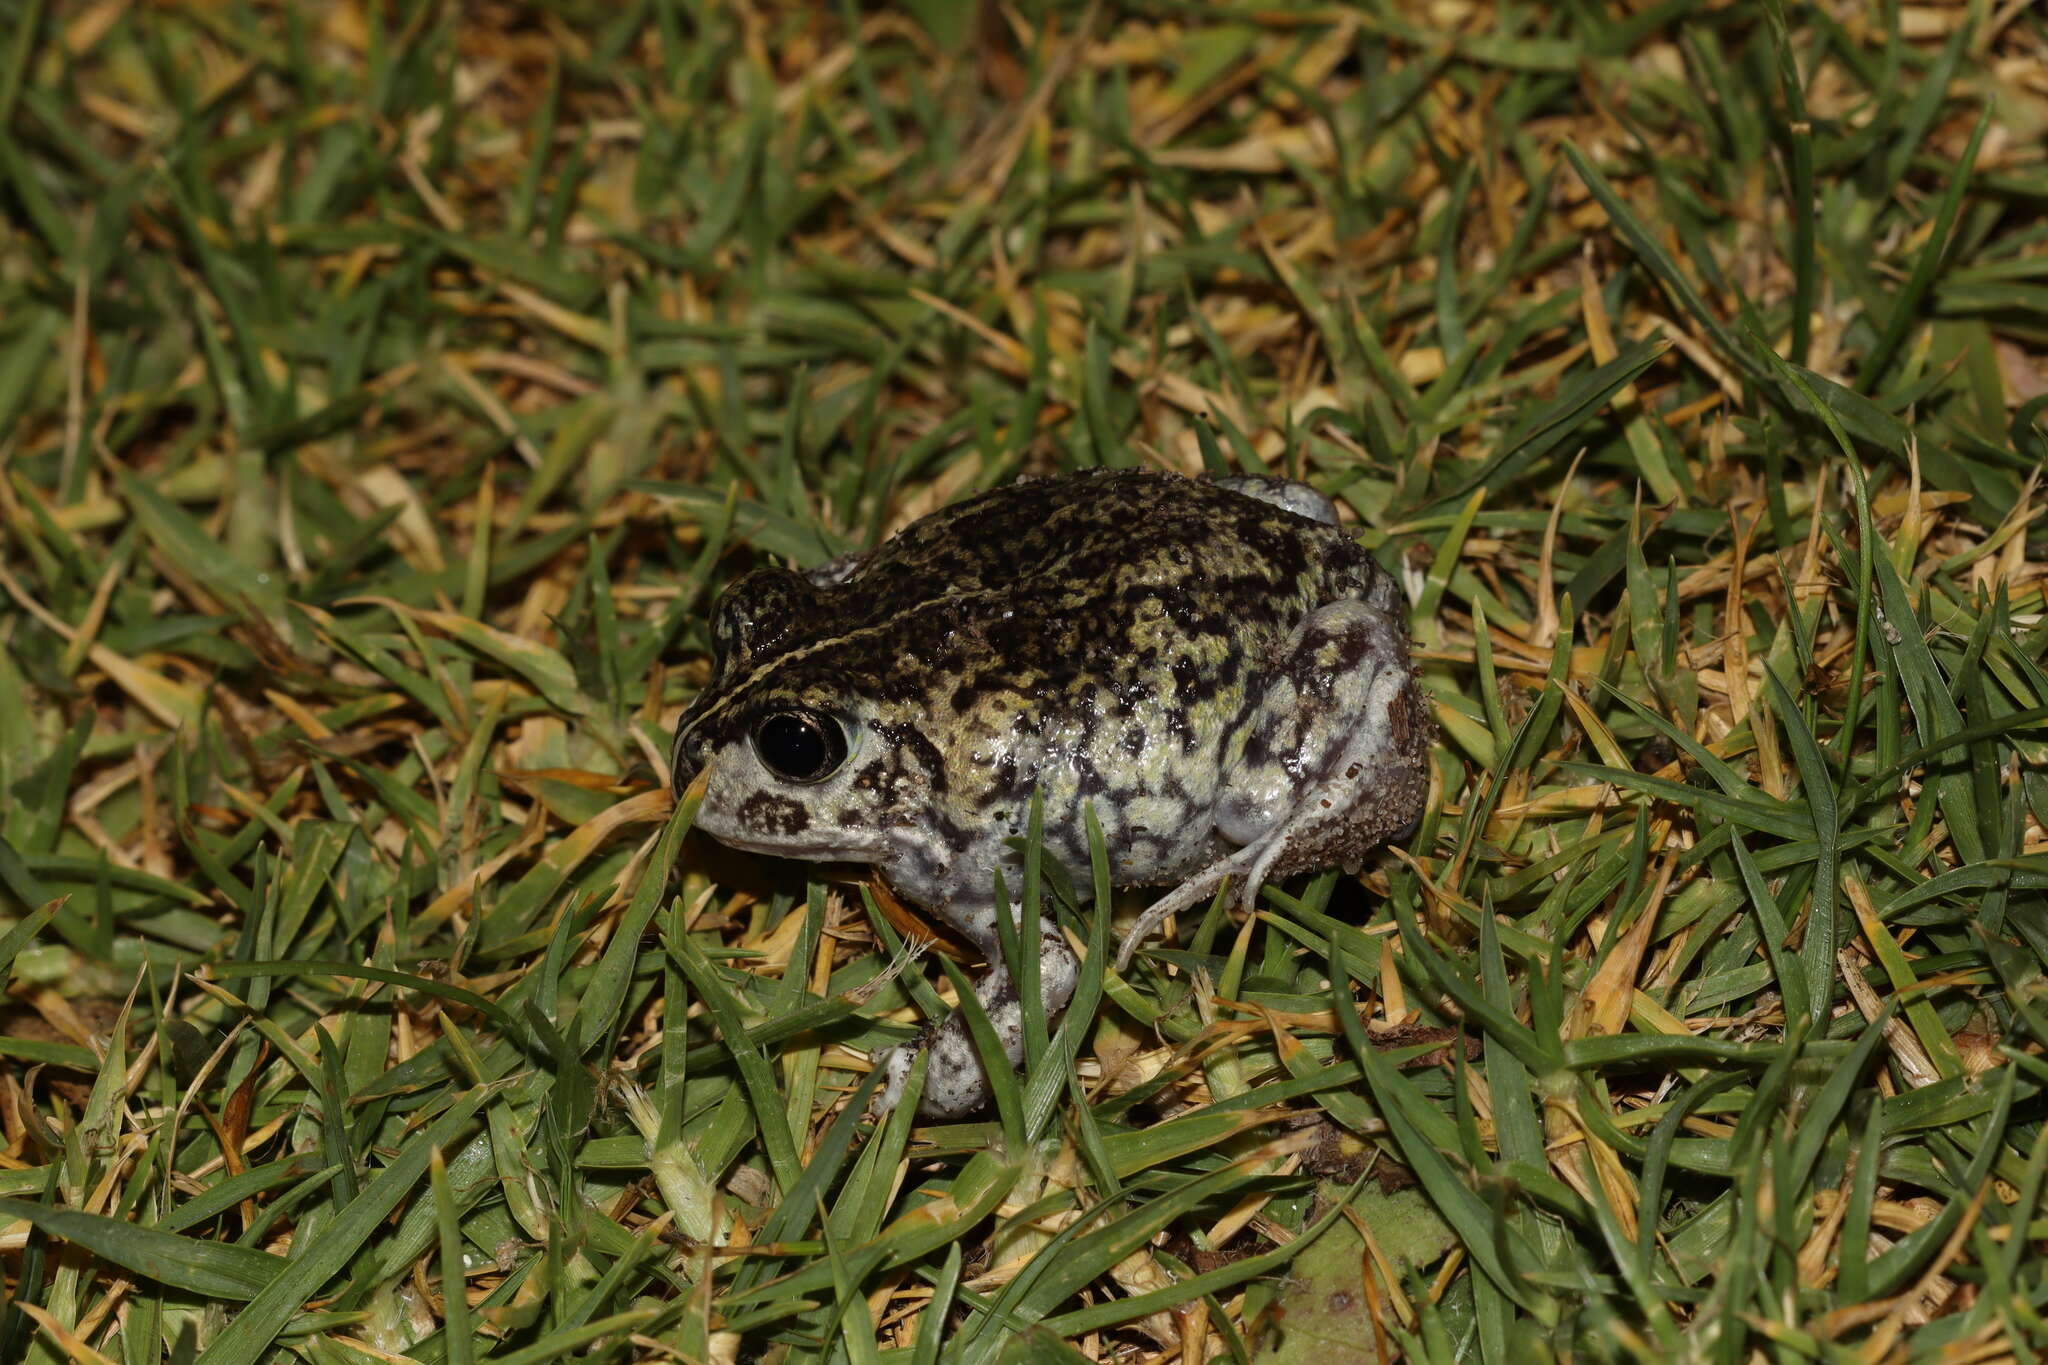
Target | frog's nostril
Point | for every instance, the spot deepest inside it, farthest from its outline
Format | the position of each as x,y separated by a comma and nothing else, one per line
686,760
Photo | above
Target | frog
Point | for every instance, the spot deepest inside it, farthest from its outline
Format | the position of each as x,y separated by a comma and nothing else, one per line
1214,665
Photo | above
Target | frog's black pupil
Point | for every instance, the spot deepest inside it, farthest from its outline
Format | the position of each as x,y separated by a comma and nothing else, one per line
803,748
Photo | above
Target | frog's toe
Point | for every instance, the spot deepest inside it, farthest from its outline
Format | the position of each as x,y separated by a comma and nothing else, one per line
896,1065
954,1083
1185,897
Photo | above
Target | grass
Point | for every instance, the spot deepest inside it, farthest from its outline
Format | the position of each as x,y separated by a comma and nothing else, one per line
386,391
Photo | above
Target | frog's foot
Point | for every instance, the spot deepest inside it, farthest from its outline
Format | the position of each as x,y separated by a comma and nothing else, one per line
1183,897
955,1082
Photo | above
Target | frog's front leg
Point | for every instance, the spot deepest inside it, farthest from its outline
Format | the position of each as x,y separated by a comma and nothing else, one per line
954,1081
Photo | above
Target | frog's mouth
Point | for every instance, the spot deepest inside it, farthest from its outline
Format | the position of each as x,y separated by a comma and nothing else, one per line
790,848
777,827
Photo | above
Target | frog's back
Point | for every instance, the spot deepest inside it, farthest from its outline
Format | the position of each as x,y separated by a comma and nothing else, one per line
1104,537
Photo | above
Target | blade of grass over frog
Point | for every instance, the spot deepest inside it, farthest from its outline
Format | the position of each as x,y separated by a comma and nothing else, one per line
249,1335
212,1270
1025,967
1493,1247
1045,1083
755,1076
1004,1089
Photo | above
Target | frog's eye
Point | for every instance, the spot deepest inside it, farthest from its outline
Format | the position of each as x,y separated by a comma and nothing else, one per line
802,746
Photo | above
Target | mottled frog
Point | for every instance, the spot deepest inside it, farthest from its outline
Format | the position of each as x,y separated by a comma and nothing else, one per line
1213,663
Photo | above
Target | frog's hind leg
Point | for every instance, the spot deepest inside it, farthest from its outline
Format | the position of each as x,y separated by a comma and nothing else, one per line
1335,765
955,1082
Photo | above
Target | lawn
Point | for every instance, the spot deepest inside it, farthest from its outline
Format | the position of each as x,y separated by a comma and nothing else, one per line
387,391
